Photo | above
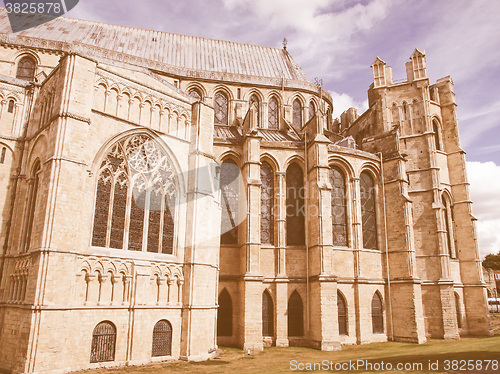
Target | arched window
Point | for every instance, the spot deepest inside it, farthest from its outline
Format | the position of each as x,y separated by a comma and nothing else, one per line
225,315
312,109
103,342
342,314
10,108
195,93
221,108
395,114
31,205
273,114
267,204
267,314
137,164
457,310
377,314
295,228
437,135
26,69
297,113
2,155
295,315
254,101
229,186
339,207
162,339
368,214
448,225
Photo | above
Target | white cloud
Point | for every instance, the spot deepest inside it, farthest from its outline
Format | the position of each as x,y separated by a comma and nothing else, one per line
484,178
342,102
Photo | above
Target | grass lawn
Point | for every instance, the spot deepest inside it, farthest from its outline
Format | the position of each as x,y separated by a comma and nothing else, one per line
277,360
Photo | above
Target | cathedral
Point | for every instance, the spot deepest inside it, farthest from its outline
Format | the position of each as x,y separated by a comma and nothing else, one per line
163,195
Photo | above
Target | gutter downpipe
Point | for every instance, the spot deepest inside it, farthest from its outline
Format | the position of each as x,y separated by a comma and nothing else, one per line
386,249
306,202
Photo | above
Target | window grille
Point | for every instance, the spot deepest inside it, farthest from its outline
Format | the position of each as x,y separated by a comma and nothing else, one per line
339,207
368,213
273,113
267,204
103,342
162,339
297,113
26,69
377,314
342,314
229,185
151,200
225,315
295,228
267,314
295,315
221,109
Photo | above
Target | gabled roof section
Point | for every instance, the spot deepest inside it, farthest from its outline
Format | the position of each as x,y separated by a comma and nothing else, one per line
378,61
188,52
417,52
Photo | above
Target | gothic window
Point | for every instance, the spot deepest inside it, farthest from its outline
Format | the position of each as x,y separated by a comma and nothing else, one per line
457,310
229,186
295,228
162,339
225,315
312,109
339,207
2,155
395,114
448,222
195,93
31,205
10,108
267,314
221,108
254,101
297,113
407,129
437,135
103,342
273,114
377,314
368,214
342,313
26,69
267,204
135,177
295,315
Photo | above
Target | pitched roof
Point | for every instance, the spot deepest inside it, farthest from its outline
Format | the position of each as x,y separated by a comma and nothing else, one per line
189,52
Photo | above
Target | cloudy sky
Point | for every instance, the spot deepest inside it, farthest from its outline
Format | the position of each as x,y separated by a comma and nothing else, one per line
337,40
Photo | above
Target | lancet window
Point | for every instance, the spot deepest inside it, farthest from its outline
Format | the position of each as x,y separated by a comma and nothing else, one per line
339,207
267,204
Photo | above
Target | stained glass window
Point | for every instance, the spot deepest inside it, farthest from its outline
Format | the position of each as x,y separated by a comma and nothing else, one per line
225,315
295,193
267,314
339,207
267,204
136,176
26,69
295,315
342,314
297,113
273,114
221,109
368,213
377,314
229,186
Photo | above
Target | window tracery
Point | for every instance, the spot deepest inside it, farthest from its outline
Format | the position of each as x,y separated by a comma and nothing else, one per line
339,207
295,228
267,204
221,109
136,177
229,185
368,212
26,69
312,109
273,114
297,113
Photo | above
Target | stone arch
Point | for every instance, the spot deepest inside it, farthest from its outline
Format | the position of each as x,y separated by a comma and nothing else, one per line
225,314
377,313
342,313
295,314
